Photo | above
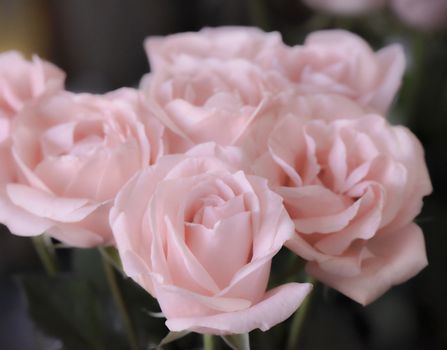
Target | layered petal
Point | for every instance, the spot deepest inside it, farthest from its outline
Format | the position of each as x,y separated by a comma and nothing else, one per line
199,235
284,300
67,157
397,256
344,182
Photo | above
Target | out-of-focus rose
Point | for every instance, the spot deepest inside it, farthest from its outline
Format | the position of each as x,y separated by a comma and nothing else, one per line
345,7
353,188
203,100
337,61
22,81
6,164
422,14
224,43
199,234
4,129
71,155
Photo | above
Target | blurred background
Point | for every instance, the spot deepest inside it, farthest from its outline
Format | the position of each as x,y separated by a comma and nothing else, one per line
98,43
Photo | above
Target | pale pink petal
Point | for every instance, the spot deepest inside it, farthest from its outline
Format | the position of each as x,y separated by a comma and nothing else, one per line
337,163
180,302
48,206
224,249
347,265
277,305
312,201
30,176
76,236
266,167
250,282
20,222
328,223
270,217
185,268
58,139
392,61
287,149
398,256
364,226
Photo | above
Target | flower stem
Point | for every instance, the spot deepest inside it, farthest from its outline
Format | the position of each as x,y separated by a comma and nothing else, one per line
208,342
259,14
119,302
298,320
47,256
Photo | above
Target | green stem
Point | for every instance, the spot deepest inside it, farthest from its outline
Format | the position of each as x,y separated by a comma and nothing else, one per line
47,256
298,320
112,257
237,341
119,302
259,14
208,342
418,72
294,265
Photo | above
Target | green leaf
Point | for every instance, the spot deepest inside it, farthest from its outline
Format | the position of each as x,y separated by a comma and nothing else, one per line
65,308
237,341
86,263
155,314
112,256
170,337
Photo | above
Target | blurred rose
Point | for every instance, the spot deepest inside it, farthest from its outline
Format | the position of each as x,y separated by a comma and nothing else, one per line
224,43
22,81
200,236
202,100
4,129
422,14
345,7
7,168
353,188
337,61
71,154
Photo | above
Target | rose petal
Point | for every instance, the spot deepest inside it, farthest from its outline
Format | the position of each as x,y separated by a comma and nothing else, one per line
48,206
19,221
398,256
363,226
224,249
277,305
392,62
76,236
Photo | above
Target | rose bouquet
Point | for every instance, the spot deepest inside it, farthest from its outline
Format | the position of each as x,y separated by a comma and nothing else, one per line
235,147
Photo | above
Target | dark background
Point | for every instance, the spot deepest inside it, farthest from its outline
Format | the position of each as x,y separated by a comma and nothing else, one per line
99,44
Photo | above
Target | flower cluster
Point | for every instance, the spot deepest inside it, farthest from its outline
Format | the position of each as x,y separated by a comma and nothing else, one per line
233,147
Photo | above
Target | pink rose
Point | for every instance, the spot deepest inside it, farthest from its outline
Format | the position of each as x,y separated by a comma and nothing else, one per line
337,61
315,106
203,100
7,168
200,236
71,154
353,188
422,14
22,81
4,129
224,43
345,7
